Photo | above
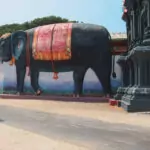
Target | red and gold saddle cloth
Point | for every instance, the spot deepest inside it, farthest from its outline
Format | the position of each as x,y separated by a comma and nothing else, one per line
52,42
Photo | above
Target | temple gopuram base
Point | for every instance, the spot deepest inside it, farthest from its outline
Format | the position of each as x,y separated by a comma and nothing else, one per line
120,93
135,91
136,99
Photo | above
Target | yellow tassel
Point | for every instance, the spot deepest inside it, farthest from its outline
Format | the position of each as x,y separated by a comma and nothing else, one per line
12,61
55,76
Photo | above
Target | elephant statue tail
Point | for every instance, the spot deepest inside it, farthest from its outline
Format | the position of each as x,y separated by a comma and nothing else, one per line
113,59
113,67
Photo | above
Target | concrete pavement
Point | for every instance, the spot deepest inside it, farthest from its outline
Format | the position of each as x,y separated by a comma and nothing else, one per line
58,123
98,111
17,139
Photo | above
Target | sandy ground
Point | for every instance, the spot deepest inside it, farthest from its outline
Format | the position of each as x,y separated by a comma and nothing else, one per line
100,111
16,139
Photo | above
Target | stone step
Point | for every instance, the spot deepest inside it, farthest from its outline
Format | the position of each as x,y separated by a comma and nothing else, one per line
135,99
136,106
125,106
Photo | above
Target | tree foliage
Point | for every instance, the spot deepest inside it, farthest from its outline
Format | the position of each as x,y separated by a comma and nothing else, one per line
31,24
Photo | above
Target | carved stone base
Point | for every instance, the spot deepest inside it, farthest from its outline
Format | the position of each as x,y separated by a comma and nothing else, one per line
146,38
136,99
120,93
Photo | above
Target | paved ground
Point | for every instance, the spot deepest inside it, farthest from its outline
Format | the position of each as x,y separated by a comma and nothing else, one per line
16,139
33,120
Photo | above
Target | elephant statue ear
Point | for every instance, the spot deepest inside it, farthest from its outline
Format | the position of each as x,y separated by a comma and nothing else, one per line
18,43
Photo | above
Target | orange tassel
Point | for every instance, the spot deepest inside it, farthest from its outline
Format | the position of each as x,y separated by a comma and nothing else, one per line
12,61
55,76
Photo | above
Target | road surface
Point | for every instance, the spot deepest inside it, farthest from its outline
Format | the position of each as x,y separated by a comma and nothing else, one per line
92,134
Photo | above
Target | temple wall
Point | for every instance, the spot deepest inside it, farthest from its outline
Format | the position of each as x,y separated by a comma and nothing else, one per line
64,85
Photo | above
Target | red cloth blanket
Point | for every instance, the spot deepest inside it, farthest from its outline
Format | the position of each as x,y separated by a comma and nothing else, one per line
52,42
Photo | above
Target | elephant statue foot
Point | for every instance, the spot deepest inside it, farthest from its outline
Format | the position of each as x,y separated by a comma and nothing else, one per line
77,95
38,92
108,96
19,93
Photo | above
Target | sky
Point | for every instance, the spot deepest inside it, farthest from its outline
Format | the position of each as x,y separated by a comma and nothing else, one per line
103,12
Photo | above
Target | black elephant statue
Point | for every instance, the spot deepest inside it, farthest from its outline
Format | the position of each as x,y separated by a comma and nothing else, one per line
90,47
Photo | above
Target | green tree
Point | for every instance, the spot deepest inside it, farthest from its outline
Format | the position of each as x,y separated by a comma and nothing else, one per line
31,24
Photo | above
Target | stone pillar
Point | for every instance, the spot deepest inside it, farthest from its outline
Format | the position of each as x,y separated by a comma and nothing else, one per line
122,63
148,72
135,65
125,75
131,27
140,27
140,72
145,73
148,13
133,24
137,98
146,37
136,26
131,73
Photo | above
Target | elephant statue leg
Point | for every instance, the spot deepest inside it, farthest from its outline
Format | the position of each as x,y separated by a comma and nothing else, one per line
20,79
34,81
78,77
104,78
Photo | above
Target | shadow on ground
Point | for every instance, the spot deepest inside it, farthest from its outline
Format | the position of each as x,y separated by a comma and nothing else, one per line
1,120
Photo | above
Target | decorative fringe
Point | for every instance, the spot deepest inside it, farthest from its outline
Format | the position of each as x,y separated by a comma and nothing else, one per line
55,76
12,61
